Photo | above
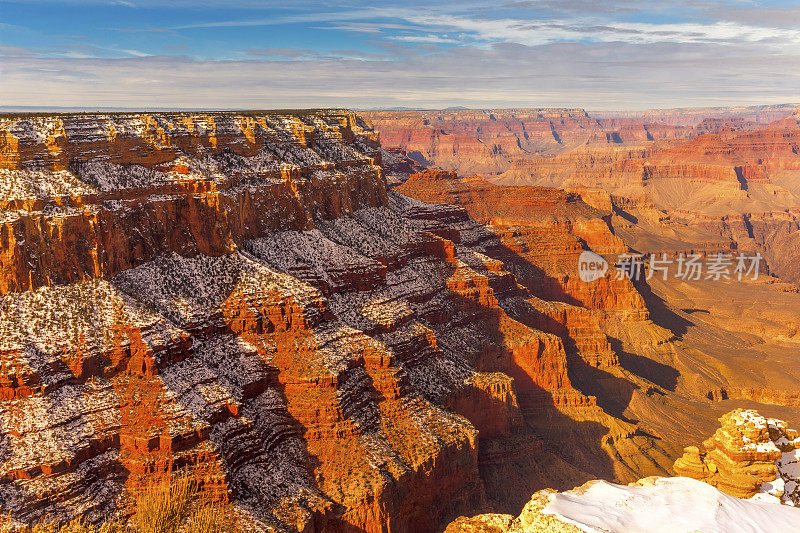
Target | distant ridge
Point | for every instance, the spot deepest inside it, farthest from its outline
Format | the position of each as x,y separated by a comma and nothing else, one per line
680,115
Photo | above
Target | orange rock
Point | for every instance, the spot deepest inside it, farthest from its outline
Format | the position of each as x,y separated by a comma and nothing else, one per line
748,455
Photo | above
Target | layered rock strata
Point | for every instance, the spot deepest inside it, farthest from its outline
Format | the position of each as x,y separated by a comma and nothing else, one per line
238,294
732,178
90,196
749,456
487,141
540,235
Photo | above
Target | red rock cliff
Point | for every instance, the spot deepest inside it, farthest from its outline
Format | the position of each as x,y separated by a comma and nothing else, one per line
241,293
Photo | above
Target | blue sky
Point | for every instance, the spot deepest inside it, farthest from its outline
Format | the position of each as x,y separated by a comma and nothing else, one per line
597,54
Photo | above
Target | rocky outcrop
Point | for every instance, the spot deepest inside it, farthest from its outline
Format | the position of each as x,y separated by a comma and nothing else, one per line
653,504
516,206
748,456
529,521
398,166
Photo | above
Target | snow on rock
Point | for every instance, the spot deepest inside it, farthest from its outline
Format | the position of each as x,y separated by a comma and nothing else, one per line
191,290
241,290
253,364
667,505
136,186
52,321
650,505
36,183
310,256
750,456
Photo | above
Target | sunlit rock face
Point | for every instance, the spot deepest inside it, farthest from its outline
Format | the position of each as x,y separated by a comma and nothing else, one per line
239,294
89,196
731,175
749,456
489,141
637,347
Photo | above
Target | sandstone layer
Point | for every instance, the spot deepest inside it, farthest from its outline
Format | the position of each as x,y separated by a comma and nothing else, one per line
731,174
725,185
658,353
240,295
488,141
749,456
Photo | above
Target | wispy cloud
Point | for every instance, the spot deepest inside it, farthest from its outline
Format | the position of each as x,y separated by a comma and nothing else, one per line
142,30
429,38
593,76
284,52
352,15
420,52
18,51
529,31
538,32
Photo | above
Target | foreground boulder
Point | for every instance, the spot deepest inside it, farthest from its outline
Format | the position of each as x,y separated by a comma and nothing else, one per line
531,520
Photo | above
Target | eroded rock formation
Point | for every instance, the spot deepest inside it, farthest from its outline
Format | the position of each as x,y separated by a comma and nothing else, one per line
649,505
748,456
241,294
488,141
628,345
89,196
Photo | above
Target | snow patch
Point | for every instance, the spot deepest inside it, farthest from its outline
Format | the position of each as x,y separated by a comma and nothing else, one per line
667,505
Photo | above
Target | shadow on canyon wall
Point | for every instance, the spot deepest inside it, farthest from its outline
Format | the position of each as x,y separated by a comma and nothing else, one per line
547,448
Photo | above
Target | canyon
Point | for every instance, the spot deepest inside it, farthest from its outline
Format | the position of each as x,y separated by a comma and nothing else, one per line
241,295
337,336
726,177
695,191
